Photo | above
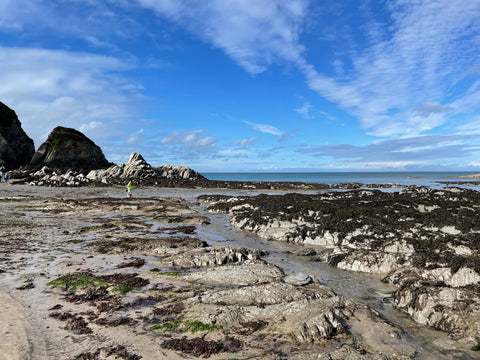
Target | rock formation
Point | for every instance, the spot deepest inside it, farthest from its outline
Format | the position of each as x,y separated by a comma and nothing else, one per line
67,149
137,168
423,241
16,148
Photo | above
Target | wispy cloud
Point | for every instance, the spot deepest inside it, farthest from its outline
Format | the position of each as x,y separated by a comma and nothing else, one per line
472,125
190,140
93,125
430,43
254,33
245,142
426,150
305,110
265,128
136,137
87,20
264,155
412,57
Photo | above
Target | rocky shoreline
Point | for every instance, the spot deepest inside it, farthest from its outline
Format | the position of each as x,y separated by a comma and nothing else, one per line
423,241
104,277
141,173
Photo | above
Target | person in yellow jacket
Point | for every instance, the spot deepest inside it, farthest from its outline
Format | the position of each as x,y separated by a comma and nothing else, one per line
129,189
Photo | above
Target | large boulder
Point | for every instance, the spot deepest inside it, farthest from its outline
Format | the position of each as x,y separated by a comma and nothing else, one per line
16,148
68,149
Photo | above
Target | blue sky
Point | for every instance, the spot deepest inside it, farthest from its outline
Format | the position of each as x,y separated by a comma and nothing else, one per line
251,85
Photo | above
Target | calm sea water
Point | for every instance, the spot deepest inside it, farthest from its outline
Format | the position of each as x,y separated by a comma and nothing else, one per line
420,178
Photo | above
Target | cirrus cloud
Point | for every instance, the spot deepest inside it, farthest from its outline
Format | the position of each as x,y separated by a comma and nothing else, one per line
254,33
265,128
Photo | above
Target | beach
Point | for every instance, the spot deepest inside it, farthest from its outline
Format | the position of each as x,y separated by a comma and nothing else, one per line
88,274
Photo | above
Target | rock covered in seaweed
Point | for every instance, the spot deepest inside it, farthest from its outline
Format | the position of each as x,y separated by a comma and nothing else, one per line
425,240
67,149
16,148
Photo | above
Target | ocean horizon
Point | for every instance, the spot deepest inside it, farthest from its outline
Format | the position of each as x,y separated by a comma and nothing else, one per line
420,178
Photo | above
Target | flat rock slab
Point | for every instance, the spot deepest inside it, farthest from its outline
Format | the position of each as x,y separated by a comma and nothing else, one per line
248,273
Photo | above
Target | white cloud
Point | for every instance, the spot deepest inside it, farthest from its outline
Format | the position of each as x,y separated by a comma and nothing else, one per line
265,128
94,125
412,58
190,140
254,33
135,137
51,87
428,150
431,45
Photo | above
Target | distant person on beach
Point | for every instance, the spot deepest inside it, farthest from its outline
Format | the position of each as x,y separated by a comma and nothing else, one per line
6,178
129,189
1,176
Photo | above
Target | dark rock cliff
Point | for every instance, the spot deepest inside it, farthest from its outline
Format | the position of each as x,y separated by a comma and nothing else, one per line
68,149
16,148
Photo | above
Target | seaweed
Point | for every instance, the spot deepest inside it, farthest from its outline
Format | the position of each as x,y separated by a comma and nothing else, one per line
187,325
205,348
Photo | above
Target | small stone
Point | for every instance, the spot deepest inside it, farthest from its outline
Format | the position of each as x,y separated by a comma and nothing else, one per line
298,279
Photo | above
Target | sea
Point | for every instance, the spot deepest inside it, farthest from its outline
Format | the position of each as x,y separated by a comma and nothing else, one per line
431,179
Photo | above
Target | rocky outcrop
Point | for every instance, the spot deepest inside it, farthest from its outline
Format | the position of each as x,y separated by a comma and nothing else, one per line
309,313
178,173
66,150
433,302
212,256
16,148
137,168
424,241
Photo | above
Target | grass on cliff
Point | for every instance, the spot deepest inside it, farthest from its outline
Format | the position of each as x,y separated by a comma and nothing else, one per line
60,134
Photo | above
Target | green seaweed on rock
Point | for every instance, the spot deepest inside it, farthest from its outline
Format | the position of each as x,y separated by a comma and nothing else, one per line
75,281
